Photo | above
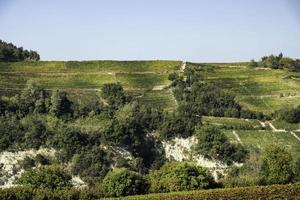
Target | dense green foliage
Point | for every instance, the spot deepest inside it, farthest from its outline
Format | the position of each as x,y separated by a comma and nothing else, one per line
291,115
90,163
39,118
9,52
113,94
272,192
277,62
277,166
206,98
50,177
122,182
212,143
179,177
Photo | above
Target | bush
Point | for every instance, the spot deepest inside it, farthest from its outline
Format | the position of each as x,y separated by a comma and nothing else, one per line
28,193
113,94
273,192
90,163
291,115
277,166
180,176
50,177
61,106
244,193
122,182
12,132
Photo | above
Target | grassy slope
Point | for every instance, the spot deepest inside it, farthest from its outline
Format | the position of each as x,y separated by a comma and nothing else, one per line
257,89
84,79
254,136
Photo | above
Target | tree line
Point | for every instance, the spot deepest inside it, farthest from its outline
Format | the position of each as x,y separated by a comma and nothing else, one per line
10,52
276,62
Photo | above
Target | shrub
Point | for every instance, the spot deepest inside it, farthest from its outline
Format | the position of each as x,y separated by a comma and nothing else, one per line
291,115
113,94
51,177
90,163
273,192
122,182
277,166
180,176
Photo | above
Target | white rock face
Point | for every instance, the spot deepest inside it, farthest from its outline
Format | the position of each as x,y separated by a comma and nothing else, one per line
180,149
78,182
10,164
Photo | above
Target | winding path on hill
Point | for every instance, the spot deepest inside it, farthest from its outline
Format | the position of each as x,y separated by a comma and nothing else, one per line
294,134
237,137
183,66
274,129
161,87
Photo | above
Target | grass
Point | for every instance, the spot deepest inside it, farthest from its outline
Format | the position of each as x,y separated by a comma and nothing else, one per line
259,90
84,79
232,123
256,89
90,66
258,140
163,99
287,126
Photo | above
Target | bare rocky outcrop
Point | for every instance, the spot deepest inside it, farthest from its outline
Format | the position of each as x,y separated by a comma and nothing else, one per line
181,149
11,167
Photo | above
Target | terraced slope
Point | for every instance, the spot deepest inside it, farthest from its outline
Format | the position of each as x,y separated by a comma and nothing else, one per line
84,79
258,89
257,135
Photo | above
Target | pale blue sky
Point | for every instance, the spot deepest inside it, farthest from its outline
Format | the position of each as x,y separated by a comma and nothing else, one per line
194,30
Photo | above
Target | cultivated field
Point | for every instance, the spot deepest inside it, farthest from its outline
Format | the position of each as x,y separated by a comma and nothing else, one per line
146,79
258,89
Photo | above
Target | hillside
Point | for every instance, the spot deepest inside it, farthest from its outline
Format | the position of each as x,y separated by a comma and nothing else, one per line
84,79
152,121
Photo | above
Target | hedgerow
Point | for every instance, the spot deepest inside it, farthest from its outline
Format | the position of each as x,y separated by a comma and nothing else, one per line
290,191
272,192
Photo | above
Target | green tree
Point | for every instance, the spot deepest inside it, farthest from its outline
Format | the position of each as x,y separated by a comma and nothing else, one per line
61,106
51,177
9,52
277,166
70,141
32,99
179,177
113,94
36,133
11,132
91,163
253,64
291,115
122,182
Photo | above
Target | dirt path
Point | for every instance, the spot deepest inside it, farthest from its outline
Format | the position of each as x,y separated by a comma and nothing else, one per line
237,136
159,87
282,130
263,124
274,128
183,66
293,134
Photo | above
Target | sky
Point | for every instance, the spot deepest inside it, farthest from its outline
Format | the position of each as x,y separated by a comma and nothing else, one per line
190,30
